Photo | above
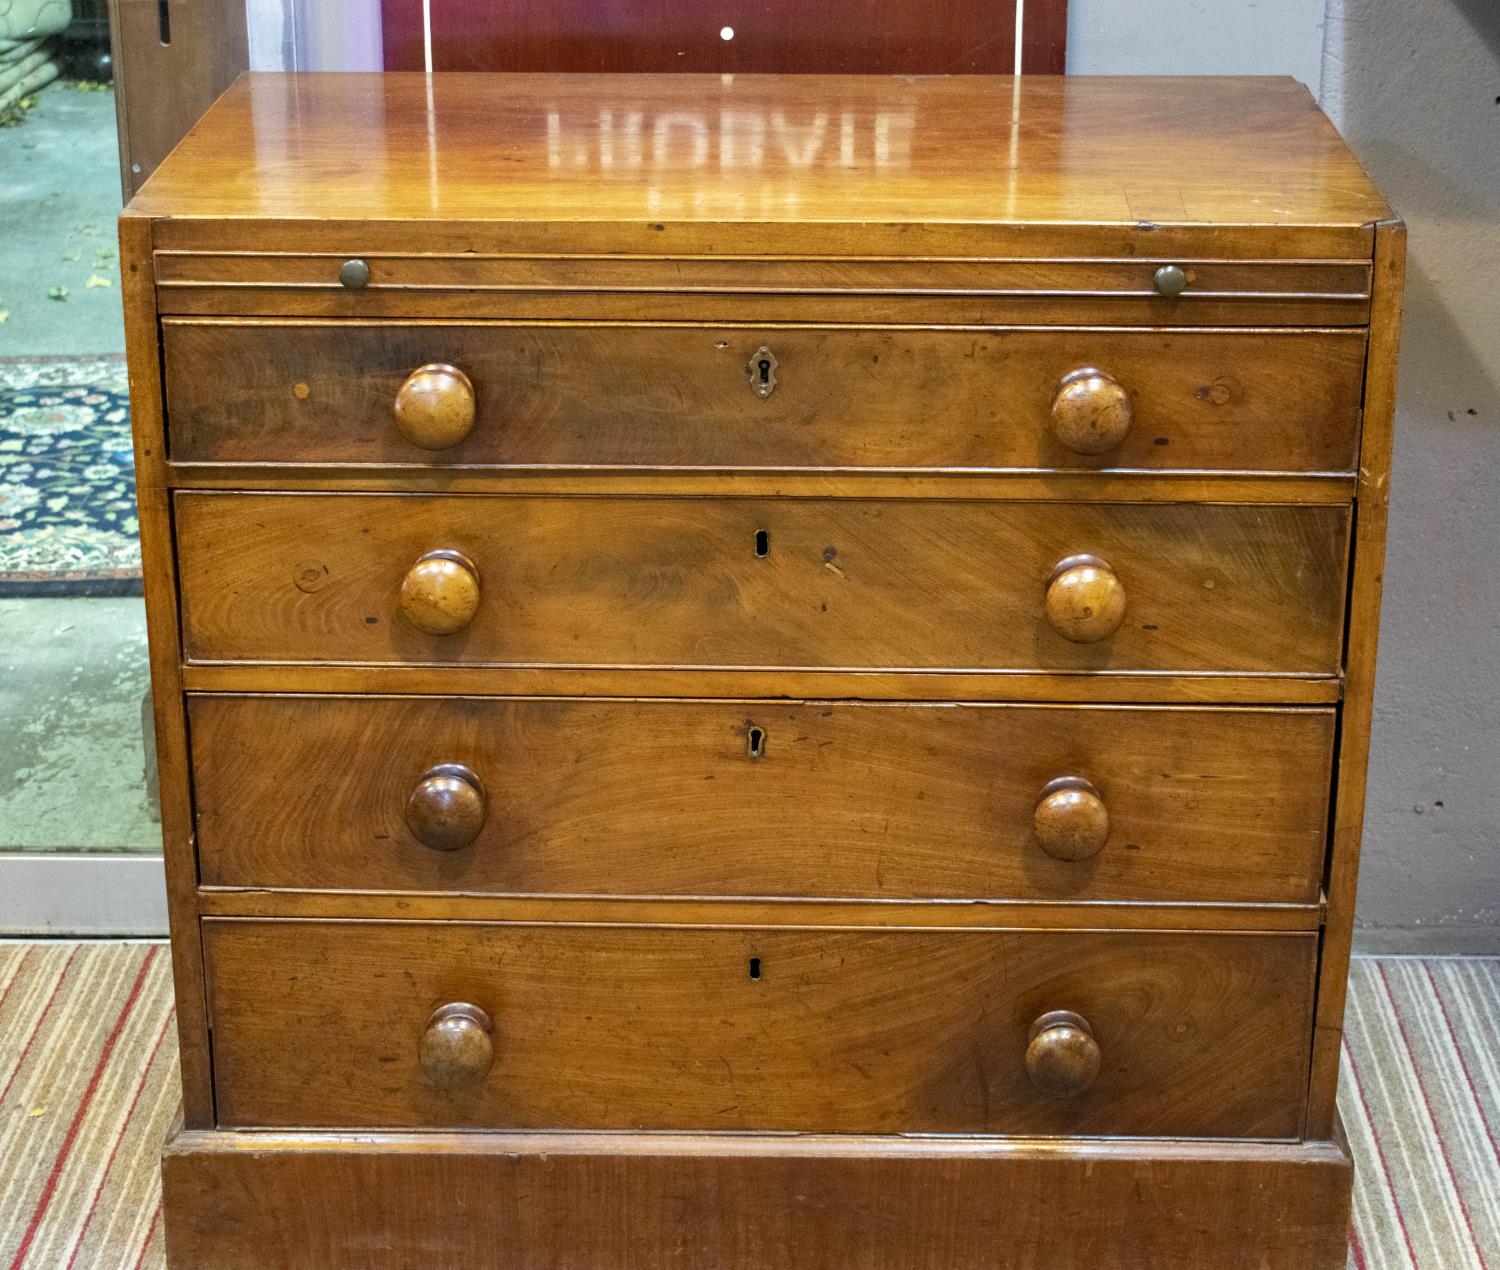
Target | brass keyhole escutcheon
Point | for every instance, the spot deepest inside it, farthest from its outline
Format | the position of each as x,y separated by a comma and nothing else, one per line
762,372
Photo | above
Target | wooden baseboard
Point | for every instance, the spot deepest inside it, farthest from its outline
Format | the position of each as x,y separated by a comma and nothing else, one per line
608,1201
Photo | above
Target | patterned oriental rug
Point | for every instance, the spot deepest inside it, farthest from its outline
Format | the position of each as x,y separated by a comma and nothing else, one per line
67,478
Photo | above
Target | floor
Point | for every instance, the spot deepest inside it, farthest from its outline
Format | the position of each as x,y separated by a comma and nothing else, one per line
72,678
58,205
88,1086
72,671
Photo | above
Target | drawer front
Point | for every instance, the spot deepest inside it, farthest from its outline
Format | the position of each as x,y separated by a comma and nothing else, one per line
761,583
605,797
622,397
587,1027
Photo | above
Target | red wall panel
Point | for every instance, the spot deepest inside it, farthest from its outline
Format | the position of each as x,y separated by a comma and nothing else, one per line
925,37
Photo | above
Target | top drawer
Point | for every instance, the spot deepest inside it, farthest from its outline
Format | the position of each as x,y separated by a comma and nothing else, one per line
755,397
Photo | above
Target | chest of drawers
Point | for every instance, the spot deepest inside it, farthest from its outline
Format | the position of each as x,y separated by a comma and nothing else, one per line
761,672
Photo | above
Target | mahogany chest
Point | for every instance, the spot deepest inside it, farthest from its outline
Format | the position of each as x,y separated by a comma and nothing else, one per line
761,671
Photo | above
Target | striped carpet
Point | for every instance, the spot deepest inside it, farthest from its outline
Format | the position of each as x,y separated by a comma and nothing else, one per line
88,1084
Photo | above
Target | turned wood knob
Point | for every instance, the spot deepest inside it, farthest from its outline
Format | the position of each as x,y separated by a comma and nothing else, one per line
1071,820
446,810
434,406
458,1046
1085,599
1090,411
440,593
1062,1056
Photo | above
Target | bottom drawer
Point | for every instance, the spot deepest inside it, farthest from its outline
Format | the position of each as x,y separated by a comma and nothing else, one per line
595,1027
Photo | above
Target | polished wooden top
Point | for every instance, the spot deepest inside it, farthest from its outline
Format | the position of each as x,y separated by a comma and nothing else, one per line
686,151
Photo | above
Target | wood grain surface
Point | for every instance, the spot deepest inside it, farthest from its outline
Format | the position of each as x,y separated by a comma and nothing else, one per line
842,583
602,1201
680,396
1080,687
688,288
1032,307
826,914
690,277
168,706
1112,485
758,798
1367,581
317,1024
678,163
169,61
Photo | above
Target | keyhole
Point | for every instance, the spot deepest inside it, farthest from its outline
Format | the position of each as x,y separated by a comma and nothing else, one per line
762,543
755,968
760,370
755,742
164,21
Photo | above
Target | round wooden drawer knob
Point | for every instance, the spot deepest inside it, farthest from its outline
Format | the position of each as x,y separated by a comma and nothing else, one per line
1085,599
434,406
458,1047
1090,412
1062,1056
446,810
440,593
1071,820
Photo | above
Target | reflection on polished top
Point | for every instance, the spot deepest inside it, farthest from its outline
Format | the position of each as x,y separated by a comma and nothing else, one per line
689,150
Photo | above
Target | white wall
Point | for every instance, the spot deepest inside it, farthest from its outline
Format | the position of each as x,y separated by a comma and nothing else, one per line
1197,37
1415,87
314,35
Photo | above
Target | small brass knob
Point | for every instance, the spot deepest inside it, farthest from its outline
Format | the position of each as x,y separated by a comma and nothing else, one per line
1085,599
1062,1056
1171,280
458,1047
446,810
1090,411
1070,820
354,274
434,407
440,593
